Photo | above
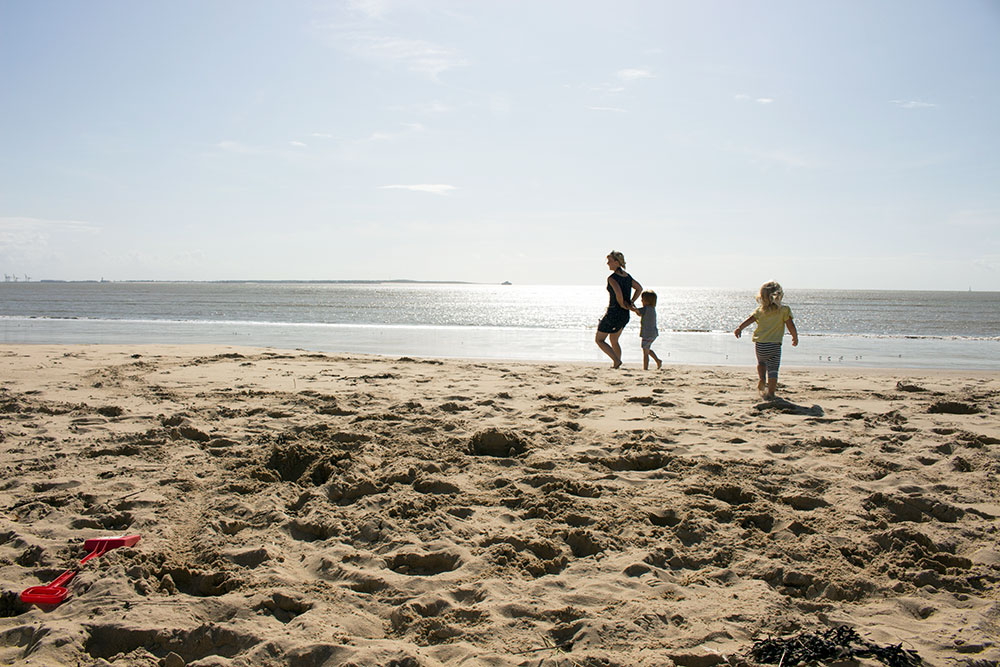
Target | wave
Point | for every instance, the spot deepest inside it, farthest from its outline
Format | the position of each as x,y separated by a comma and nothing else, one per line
467,327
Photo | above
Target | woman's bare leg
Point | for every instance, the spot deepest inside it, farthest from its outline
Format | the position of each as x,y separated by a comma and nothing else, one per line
616,347
601,340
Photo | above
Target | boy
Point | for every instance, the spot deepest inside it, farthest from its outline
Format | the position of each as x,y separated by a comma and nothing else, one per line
647,329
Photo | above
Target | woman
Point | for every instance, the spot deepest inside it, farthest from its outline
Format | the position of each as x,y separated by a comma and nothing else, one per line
620,285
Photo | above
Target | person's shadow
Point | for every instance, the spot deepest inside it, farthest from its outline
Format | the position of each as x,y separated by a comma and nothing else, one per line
777,404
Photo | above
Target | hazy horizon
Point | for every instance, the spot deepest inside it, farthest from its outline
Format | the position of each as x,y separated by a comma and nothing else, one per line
407,281
827,145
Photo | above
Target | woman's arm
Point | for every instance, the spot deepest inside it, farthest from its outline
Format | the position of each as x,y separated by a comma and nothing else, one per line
743,325
636,291
618,292
791,329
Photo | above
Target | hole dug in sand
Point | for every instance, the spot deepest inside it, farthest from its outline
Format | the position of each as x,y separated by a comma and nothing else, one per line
11,605
107,641
953,408
429,564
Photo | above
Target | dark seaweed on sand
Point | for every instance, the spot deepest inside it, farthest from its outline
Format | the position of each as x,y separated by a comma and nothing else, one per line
832,644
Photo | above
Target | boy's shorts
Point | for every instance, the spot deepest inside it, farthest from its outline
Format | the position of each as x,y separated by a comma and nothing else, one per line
648,342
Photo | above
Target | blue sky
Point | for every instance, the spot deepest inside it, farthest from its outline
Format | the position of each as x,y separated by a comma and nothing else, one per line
847,144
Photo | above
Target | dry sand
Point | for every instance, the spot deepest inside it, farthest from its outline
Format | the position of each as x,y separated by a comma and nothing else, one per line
302,509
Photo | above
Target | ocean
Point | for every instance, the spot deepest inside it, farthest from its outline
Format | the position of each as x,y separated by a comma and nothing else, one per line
889,329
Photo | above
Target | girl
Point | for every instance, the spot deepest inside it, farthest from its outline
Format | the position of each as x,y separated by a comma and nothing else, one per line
771,318
622,300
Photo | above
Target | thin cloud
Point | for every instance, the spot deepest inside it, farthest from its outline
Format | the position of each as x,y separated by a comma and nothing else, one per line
759,100
415,55
289,151
381,135
991,263
977,218
437,107
913,104
429,108
432,188
788,159
13,224
29,238
606,88
373,9
238,148
635,74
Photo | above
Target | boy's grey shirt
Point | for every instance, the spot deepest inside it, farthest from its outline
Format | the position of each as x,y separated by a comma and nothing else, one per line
647,329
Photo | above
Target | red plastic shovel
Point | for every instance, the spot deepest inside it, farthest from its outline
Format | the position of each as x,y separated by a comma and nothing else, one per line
56,592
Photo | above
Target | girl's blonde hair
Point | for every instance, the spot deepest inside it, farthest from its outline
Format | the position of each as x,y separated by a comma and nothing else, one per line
618,257
770,296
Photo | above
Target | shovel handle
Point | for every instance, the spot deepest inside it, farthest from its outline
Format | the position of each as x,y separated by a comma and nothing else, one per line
64,578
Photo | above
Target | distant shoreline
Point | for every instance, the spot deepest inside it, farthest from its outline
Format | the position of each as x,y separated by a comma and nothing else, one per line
394,281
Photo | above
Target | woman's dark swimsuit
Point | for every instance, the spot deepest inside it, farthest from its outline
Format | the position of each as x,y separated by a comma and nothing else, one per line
617,317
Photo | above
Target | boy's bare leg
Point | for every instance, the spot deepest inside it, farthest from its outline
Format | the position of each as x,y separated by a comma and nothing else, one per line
645,359
659,364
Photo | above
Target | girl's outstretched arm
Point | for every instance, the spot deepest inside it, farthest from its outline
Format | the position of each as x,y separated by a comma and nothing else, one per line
791,329
743,325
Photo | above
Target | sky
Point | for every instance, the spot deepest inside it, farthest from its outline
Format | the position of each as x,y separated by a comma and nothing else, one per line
843,144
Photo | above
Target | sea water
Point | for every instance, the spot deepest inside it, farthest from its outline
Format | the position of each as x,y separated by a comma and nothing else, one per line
525,322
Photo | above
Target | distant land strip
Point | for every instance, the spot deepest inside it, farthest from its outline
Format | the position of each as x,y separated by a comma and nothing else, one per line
275,282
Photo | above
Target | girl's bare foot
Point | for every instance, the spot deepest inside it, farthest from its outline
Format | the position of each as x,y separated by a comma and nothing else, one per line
760,387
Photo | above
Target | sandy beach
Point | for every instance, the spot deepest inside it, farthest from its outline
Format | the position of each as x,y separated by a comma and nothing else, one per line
306,509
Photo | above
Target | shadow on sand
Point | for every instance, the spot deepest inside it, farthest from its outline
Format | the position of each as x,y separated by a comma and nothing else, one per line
777,404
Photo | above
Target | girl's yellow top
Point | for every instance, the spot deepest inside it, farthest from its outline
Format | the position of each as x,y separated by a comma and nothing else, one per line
771,324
